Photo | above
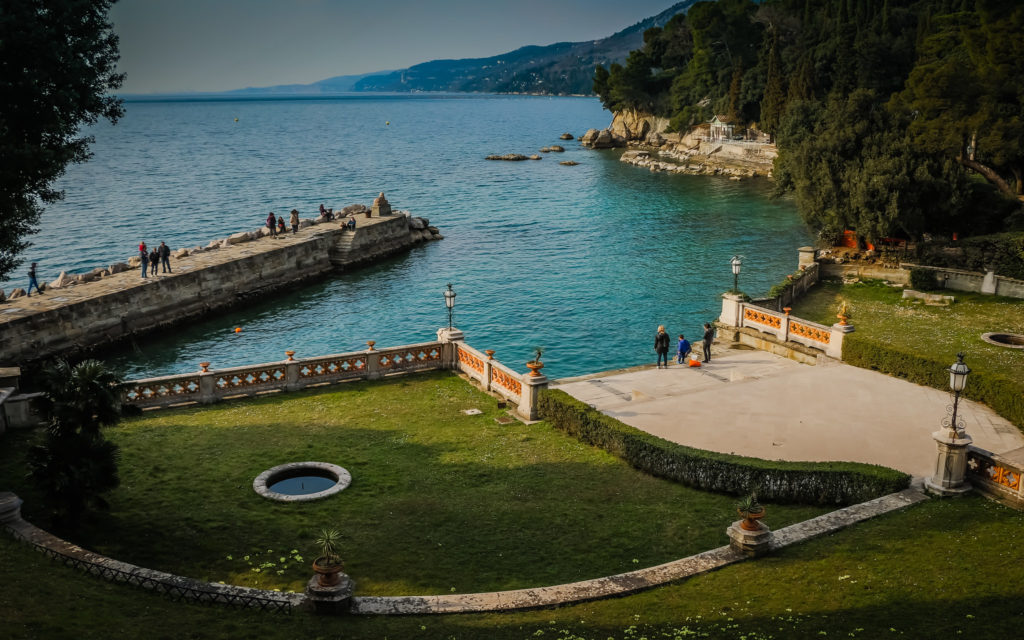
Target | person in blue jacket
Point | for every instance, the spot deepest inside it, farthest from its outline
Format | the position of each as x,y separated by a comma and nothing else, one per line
682,349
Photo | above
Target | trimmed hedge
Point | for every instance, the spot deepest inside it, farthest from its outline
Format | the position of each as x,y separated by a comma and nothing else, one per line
1003,395
922,279
1003,252
777,481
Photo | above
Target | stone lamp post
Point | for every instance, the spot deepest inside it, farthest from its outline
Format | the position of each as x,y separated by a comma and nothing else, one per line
951,463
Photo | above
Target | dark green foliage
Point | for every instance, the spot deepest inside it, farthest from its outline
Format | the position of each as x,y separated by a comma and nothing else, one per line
58,66
1001,252
1004,395
803,482
75,464
922,279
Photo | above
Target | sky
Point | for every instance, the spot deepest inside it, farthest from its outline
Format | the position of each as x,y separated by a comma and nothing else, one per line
217,45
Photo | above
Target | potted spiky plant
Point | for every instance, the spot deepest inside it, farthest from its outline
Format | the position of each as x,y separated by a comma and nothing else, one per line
328,566
536,365
751,511
844,313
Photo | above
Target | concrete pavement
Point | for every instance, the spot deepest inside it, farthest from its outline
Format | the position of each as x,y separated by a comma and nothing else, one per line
754,403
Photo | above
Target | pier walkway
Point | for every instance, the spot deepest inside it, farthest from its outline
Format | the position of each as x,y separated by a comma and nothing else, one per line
754,403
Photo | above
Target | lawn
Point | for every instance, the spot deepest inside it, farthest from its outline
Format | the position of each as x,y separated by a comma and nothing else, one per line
880,314
941,569
440,501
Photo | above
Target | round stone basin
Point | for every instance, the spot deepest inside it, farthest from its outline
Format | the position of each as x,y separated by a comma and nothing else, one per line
301,481
1008,340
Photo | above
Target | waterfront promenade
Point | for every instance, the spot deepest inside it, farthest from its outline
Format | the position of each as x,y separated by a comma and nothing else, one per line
754,403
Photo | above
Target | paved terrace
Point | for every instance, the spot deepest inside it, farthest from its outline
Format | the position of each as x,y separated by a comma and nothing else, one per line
131,279
754,403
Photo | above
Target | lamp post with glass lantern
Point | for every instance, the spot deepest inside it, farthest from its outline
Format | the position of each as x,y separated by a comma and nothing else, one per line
449,301
737,263
951,464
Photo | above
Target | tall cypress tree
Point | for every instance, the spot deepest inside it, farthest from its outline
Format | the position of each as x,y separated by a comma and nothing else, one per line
774,100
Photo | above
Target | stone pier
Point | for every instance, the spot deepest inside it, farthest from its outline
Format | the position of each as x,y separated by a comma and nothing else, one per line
79,318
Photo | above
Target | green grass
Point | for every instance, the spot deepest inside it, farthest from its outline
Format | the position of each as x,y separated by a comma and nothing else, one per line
880,315
439,502
941,569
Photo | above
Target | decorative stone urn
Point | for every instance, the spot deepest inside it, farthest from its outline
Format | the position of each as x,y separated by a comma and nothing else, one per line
369,344
535,368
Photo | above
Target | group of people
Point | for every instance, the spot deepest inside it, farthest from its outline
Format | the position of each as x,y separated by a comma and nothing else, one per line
683,347
153,260
278,228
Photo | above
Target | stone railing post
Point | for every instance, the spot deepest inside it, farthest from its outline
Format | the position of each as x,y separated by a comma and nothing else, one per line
784,327
835,341
373,368
732,314
531,394
488,363
449,339
806,258
207,386
291,372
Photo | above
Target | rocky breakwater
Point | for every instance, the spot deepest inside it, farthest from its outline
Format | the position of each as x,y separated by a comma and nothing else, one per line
77,316
694,165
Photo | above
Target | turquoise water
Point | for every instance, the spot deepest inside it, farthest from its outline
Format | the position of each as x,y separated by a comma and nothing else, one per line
586,261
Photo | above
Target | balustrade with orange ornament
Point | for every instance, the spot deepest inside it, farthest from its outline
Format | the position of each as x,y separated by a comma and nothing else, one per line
996,476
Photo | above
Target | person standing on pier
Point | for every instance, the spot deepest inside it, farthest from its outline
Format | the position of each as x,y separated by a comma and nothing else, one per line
272,223
661,341
144,257
32,282
709,337
154,261
165,257
295,221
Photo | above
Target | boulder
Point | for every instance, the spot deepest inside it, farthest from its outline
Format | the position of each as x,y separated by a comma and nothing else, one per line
304,223
2,296
118,267
569,163
417,224
433,230
439,237
134,262
214,244
263,232
426,235
589,137
62,280
181,253
544,149
655,139
557,148
512,157
16,293
236,238
354,209
535,157
565,136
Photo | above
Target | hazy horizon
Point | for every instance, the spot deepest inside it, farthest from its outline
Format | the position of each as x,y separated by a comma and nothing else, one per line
222,45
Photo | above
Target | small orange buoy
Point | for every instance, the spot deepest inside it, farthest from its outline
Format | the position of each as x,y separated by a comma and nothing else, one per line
238,329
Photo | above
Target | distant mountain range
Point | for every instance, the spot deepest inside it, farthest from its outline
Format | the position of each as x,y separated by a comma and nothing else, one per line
563,68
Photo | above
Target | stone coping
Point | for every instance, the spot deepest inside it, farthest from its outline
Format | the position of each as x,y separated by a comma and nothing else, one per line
261,485
987,337
495,601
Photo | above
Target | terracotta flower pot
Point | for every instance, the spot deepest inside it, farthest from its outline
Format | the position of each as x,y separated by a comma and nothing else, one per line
328,575
535,368
750,520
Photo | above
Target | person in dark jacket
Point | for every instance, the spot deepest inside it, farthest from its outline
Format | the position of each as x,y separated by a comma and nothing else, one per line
280,225
661,341
165,257
272,224
154,261
709,337
32,282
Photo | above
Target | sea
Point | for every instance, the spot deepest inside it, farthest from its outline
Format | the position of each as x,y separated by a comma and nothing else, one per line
585,261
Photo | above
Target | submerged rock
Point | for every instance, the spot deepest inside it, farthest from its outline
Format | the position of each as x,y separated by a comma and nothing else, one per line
565,136
512,157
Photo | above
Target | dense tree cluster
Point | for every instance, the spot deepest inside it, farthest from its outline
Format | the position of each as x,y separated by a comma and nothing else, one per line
57,69
893,117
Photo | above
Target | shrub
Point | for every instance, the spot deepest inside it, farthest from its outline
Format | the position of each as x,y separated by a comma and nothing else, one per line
922,279
1003,395
1001,252
779,481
